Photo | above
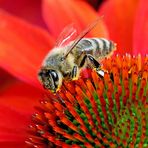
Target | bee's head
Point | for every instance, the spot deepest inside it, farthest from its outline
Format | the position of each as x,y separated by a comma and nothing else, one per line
51,79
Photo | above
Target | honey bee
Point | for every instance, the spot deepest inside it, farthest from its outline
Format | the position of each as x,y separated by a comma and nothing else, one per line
66,61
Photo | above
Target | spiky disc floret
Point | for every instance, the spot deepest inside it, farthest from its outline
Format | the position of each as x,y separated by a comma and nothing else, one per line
96,112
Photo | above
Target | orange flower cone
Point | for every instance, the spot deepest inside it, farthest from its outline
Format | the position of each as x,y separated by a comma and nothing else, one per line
95,112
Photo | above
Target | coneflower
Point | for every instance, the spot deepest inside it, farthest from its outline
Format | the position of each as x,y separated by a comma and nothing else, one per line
97,112
23,47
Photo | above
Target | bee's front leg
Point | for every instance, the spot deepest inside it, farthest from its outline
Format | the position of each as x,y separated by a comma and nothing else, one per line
75,73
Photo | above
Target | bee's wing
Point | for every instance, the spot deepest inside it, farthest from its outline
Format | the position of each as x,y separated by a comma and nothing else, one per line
68,34
81,35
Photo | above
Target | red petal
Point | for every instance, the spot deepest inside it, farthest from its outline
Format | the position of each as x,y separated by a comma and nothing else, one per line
140,42
58,14
119,17
22,47
26,9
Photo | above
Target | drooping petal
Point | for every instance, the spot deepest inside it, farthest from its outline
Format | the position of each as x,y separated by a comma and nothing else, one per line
140,40
13,127
26,9
22,47
119,17
58,14
17,101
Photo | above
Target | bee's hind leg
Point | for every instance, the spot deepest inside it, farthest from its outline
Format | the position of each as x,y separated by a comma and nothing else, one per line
94,64
98,68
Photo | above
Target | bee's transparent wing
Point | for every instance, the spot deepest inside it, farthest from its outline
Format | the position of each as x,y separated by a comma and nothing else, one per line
68,34
81,35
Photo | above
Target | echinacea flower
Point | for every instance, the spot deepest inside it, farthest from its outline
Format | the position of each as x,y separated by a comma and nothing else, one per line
22,49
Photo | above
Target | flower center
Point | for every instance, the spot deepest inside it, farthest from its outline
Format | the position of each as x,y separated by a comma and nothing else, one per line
97,112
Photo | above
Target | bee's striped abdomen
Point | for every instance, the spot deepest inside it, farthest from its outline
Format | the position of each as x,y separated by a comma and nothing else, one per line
98,47
103,47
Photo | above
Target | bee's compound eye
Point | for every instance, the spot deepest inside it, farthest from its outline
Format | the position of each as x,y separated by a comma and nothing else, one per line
54,75
49,78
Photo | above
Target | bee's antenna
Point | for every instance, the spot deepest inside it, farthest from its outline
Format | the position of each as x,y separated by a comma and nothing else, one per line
81,35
